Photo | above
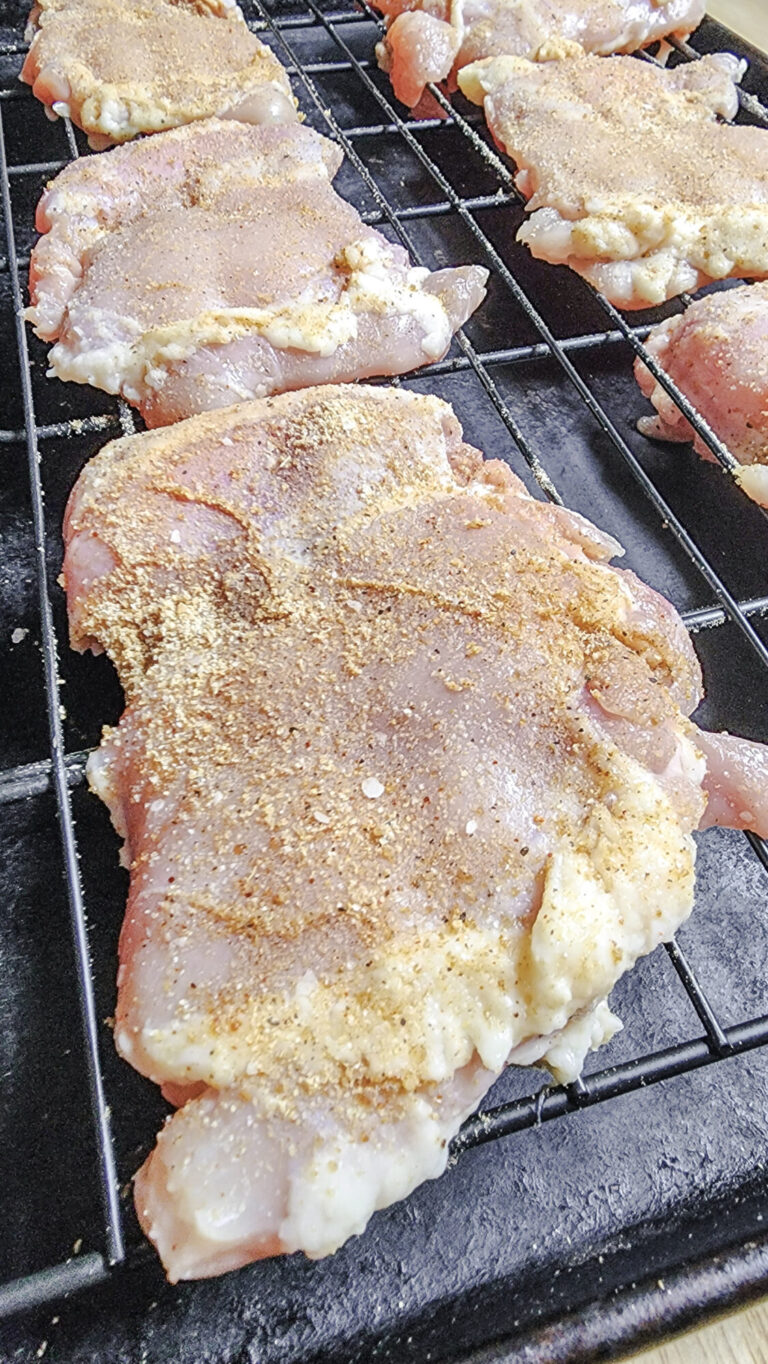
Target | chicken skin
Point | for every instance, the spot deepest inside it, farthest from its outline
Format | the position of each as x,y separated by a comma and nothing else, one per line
405,783
717,354
118,68
630,179
431,40
216,263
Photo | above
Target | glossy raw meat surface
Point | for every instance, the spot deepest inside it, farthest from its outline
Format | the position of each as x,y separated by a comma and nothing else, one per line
655,196
405,783
431,40
118,68
216,263
717,354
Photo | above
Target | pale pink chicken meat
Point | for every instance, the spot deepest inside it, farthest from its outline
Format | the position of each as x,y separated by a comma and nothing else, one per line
118,68
628,175
717,354
431,40
405,783
216,263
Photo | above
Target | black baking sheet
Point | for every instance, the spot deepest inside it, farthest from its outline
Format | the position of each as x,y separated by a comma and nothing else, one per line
617,1208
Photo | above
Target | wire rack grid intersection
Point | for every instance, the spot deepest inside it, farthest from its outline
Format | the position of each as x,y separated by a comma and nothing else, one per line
325,49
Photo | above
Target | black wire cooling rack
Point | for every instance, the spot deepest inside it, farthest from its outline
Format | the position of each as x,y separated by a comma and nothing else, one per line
541,376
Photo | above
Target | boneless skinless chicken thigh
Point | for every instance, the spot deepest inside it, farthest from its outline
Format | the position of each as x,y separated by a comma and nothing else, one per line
216,262
122,67
431,40
717,354
629,177
405,781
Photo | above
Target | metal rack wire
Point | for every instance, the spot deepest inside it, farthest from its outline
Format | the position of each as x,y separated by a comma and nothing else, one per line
331,33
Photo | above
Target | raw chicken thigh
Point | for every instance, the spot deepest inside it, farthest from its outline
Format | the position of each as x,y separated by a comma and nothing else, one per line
717,354
405,783
122,67
629,177
215,263
431,40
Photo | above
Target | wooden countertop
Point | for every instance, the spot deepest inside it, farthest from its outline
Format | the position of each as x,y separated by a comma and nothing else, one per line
742,1338
747,17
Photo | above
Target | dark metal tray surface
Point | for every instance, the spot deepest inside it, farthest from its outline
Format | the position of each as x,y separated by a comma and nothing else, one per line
642,1206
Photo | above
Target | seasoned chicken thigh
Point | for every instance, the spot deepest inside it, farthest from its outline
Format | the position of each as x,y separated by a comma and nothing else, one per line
431,40
215,263
122,67
630,178
405,783
717,354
